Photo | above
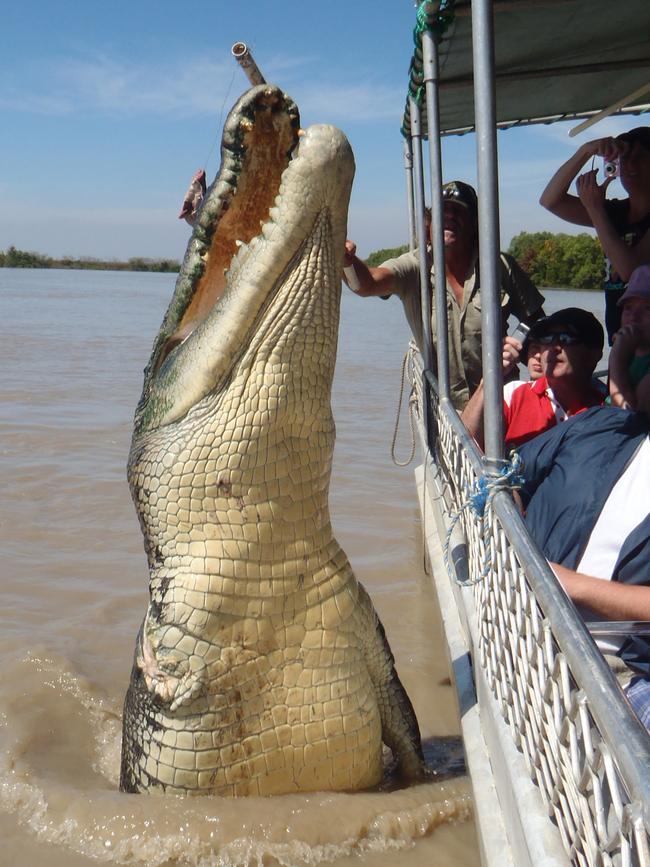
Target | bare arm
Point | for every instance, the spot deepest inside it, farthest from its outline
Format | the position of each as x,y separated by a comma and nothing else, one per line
621,391
472,415
624,259
609,599
556,197
372,281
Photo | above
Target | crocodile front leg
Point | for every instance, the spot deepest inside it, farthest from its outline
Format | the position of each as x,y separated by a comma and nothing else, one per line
400,730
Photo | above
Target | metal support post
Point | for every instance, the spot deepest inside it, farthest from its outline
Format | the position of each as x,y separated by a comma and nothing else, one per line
408,169
418,193
488,210
425,275
430,68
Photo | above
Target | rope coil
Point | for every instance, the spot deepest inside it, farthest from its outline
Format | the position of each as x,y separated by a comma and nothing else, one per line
412,404
479,500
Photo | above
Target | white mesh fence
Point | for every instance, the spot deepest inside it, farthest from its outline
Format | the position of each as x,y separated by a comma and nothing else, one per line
545,703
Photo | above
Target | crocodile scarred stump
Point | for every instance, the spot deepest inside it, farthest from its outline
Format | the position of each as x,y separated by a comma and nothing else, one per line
261,666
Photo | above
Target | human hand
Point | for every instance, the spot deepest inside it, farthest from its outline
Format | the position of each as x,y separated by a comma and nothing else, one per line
590,192
511,353
625,342
349,254
607,147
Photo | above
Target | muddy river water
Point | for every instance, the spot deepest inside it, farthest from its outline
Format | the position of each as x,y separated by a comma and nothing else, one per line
74,590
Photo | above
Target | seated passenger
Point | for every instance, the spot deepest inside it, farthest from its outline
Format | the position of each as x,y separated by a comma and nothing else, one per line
622,225
572,344
401,277
629,360
585,494
638,695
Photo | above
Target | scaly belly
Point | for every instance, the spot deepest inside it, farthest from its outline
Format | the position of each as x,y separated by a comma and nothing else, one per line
301,718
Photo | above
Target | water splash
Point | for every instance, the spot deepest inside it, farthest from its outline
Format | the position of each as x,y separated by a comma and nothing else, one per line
81,810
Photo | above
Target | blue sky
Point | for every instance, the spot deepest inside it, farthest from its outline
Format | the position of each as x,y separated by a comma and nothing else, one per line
109,108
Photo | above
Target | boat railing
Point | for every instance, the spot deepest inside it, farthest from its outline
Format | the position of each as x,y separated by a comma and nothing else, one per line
582,745
568,758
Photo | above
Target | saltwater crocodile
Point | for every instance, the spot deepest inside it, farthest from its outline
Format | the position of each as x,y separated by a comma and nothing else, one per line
261,666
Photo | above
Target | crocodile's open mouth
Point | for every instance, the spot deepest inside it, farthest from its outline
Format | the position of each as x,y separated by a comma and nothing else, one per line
274,210
259,138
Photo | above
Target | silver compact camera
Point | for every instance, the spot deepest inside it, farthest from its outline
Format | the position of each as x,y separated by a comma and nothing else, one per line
611,168
520,332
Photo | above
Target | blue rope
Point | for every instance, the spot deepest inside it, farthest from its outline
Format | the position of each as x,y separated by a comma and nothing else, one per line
478,499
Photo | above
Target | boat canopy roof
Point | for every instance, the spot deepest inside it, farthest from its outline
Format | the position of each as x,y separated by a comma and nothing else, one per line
554,60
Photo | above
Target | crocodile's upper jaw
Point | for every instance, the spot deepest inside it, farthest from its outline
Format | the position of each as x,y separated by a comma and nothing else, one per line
298,192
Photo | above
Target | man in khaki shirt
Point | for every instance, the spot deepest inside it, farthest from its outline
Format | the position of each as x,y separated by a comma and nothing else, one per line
401,277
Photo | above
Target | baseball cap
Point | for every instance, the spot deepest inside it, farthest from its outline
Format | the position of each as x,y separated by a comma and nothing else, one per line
638,285
640,134
580,322
462,193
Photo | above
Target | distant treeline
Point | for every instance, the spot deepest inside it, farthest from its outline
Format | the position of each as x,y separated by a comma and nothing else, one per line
380,256
14,258
571,261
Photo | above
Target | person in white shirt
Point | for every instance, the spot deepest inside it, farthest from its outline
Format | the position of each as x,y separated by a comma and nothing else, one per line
585,495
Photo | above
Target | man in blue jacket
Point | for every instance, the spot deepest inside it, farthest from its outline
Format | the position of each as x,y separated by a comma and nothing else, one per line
587,507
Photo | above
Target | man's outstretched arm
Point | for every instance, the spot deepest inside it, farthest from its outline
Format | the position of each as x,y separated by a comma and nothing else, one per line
371,281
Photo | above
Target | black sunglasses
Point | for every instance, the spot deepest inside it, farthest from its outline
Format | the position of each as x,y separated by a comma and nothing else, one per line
564,338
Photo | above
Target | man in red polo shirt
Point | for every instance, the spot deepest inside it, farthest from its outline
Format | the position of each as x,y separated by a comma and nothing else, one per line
572,344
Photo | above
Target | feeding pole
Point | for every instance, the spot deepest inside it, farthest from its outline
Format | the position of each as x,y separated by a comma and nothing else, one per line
243,56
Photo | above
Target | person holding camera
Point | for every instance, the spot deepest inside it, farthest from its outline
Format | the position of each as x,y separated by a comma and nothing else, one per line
622,225
570,344
400,276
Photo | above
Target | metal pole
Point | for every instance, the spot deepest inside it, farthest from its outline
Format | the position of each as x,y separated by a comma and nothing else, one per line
245,59
488,211
430,69
408,169
418,191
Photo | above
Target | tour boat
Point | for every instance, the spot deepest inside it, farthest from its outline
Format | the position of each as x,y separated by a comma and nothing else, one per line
559,764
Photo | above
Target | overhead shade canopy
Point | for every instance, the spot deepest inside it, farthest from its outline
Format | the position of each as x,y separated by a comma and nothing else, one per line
554,59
